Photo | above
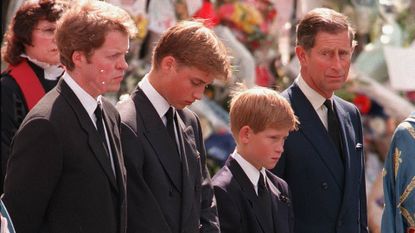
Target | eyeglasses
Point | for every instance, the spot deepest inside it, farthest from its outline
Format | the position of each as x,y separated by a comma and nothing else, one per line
47,32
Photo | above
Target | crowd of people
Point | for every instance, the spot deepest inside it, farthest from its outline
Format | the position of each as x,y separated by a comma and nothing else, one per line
72,161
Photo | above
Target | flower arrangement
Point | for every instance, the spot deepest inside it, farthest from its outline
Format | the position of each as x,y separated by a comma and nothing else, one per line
141,22
250,20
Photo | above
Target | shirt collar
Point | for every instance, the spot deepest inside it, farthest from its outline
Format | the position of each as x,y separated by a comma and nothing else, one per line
249,169
159,102
87,101
314,97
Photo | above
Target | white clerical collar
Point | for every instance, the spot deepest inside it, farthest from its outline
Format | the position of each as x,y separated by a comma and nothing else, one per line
51,72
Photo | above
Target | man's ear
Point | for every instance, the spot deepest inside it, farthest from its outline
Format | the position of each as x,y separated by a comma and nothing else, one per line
168,63
301,54
78,57
245,134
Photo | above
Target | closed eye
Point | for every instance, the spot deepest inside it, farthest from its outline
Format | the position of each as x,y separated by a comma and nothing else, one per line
197,83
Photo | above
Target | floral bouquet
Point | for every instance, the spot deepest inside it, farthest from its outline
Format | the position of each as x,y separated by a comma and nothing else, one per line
250,20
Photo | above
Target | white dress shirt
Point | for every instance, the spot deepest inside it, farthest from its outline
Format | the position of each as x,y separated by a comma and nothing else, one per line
316,100
159,103
89,104
249,169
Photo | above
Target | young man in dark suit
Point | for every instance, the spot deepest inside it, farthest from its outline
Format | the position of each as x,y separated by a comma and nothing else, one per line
250,198
169,188
323,161
66,171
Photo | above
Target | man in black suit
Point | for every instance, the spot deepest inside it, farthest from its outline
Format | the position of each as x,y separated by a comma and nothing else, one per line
323,161
169,187
66,172
250,198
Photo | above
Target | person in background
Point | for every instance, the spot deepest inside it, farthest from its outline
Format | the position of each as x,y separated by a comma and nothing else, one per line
250,198
169,187
399,180
323,162
66,171
33,69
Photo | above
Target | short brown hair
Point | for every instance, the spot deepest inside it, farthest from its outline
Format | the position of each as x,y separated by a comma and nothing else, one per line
260,108
20,30
192,44
322,20
84,27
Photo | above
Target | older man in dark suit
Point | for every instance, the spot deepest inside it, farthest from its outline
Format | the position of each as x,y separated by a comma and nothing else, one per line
66,171
169,188
323,161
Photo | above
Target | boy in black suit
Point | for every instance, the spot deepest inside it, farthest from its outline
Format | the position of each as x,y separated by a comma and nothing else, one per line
249,197
169,187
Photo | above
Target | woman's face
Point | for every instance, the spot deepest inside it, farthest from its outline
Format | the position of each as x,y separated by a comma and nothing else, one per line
43,46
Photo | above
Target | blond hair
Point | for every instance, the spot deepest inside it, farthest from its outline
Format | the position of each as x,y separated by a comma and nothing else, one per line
260,108
193,44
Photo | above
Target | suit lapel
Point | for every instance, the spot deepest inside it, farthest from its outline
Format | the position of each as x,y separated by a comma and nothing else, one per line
346,129
280,206
120,172
86,123
188,152
351,159
310,123
157,136
115,144
248,190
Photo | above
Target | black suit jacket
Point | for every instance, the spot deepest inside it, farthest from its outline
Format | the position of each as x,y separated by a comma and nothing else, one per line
59,179
238,209
165,194
328,194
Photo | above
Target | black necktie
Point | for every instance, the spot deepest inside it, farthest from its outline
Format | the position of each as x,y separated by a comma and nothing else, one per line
264,198
100,126
170,116
333,125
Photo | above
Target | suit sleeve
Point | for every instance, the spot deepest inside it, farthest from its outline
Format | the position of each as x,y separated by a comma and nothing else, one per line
209,215
229,213
35,167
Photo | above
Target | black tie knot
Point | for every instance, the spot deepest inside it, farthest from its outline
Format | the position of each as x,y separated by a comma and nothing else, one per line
98,112
100,125
170,115
333,126
328,104
262,188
